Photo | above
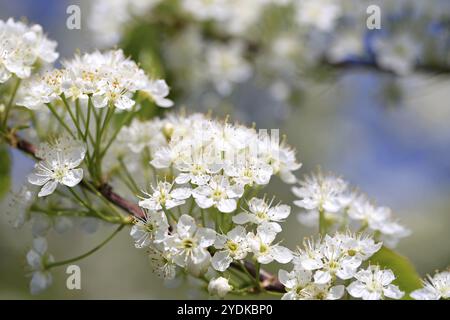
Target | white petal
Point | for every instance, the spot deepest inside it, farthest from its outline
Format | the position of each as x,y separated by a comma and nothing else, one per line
40,281
336,292
73,177
227,205
322,277
48,188
124,103
241,218
181,193
206,236
186,226
38,179
221,260
356,289
281,254
392,291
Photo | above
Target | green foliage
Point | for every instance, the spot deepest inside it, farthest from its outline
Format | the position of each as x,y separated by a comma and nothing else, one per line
5,168
407,277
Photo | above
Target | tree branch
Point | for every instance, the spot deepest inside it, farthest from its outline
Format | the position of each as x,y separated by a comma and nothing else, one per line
268,281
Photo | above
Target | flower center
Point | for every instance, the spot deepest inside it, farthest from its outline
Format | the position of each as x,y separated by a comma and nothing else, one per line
232,246
188,243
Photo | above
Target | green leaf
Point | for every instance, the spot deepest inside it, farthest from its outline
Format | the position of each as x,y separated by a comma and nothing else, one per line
407,277
5,168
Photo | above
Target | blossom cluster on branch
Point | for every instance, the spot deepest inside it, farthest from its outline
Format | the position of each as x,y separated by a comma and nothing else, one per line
190,185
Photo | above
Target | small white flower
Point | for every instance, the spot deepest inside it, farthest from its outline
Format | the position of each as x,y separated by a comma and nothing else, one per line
261,212
142,134
357,245
158,90
434,288
398,53
338,256
321,14
218,193
18,204
219,287
263,249
299,286
59,165
377,219
232,246
37,259
153,226
164,197
374,284
162,263
189,244
327,193
249,173
227,66
21,47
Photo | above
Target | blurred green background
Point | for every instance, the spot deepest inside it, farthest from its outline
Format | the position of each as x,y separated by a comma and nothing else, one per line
395,149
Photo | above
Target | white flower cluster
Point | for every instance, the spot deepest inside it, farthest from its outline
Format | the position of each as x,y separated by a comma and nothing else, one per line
218,159
434,288
109,78
339,205
321,267
22,48
59,165
188,245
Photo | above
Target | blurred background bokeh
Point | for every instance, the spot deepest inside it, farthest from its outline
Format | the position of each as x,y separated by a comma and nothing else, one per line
388,135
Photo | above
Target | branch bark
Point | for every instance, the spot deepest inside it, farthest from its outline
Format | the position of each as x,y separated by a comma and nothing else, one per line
268,281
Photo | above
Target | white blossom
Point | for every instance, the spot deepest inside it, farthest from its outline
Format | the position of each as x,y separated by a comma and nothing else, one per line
232,246
227,66
162,263
107,78
299,286
326,193
261,246
260,211
374,284
152,227
58,165
398,53
218,193
188,245
22,47
164,196
321,14
377,219
434,288
335,257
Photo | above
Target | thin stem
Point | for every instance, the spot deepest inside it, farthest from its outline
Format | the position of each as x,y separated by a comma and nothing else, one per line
72,116
64,262
10,103
322,222
257,270
116,132
202,212
60,120
129,176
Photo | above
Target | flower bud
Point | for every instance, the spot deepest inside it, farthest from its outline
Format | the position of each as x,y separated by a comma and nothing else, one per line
219,287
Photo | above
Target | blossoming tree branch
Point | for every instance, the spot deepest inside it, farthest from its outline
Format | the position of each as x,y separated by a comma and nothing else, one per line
188,187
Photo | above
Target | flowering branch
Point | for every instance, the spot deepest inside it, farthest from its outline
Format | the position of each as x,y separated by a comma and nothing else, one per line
268,281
